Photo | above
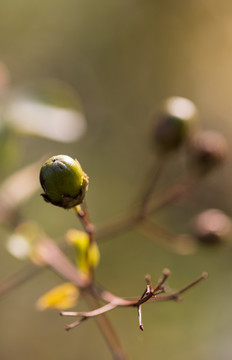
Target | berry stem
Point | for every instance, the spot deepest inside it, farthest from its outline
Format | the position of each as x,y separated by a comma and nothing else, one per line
151,182
83,215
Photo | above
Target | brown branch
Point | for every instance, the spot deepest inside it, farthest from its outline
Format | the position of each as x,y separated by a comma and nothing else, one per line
175,295
118,225
50,254
96,312
107,330
18,278
151,182
177,243
103,323
83,215
131,219
150,294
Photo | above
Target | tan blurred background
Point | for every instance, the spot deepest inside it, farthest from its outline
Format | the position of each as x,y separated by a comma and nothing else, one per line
123,58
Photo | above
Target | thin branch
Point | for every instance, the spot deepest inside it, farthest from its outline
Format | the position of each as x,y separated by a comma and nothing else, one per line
75,323
175,193
178,243
18,278
92,313
151,182
165,274
107,296
122,223
51,255
107,331
149,295
83,215
175,295
131,219
203,276
140,318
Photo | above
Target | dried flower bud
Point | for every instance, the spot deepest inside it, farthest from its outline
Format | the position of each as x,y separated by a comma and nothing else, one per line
63,181
207,150
174,125
212,227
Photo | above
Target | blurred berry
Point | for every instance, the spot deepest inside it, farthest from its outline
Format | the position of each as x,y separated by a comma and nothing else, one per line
175,123
212,227
207,150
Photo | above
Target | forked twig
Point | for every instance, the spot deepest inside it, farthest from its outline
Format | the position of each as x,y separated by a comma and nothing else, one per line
150,294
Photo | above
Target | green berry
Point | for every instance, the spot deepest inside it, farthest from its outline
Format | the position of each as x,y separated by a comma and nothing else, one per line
63,181
174,125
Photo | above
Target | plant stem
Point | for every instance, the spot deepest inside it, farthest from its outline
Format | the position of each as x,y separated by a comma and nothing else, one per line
18,278
150,294
103,322
83,215
50,254
151,182
120,224
177,243
107,330
131,218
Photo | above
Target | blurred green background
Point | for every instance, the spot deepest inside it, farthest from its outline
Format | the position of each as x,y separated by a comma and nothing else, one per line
123,58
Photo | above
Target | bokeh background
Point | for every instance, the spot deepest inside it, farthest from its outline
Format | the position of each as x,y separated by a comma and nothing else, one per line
123,58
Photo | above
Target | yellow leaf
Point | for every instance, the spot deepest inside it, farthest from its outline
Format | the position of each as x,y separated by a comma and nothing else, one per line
64,296
93,255
78,238
87,254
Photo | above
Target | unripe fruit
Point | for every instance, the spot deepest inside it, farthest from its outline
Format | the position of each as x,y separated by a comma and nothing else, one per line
63,181
174,125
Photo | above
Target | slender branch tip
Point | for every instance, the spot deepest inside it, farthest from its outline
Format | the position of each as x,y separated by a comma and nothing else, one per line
205,275
166,272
